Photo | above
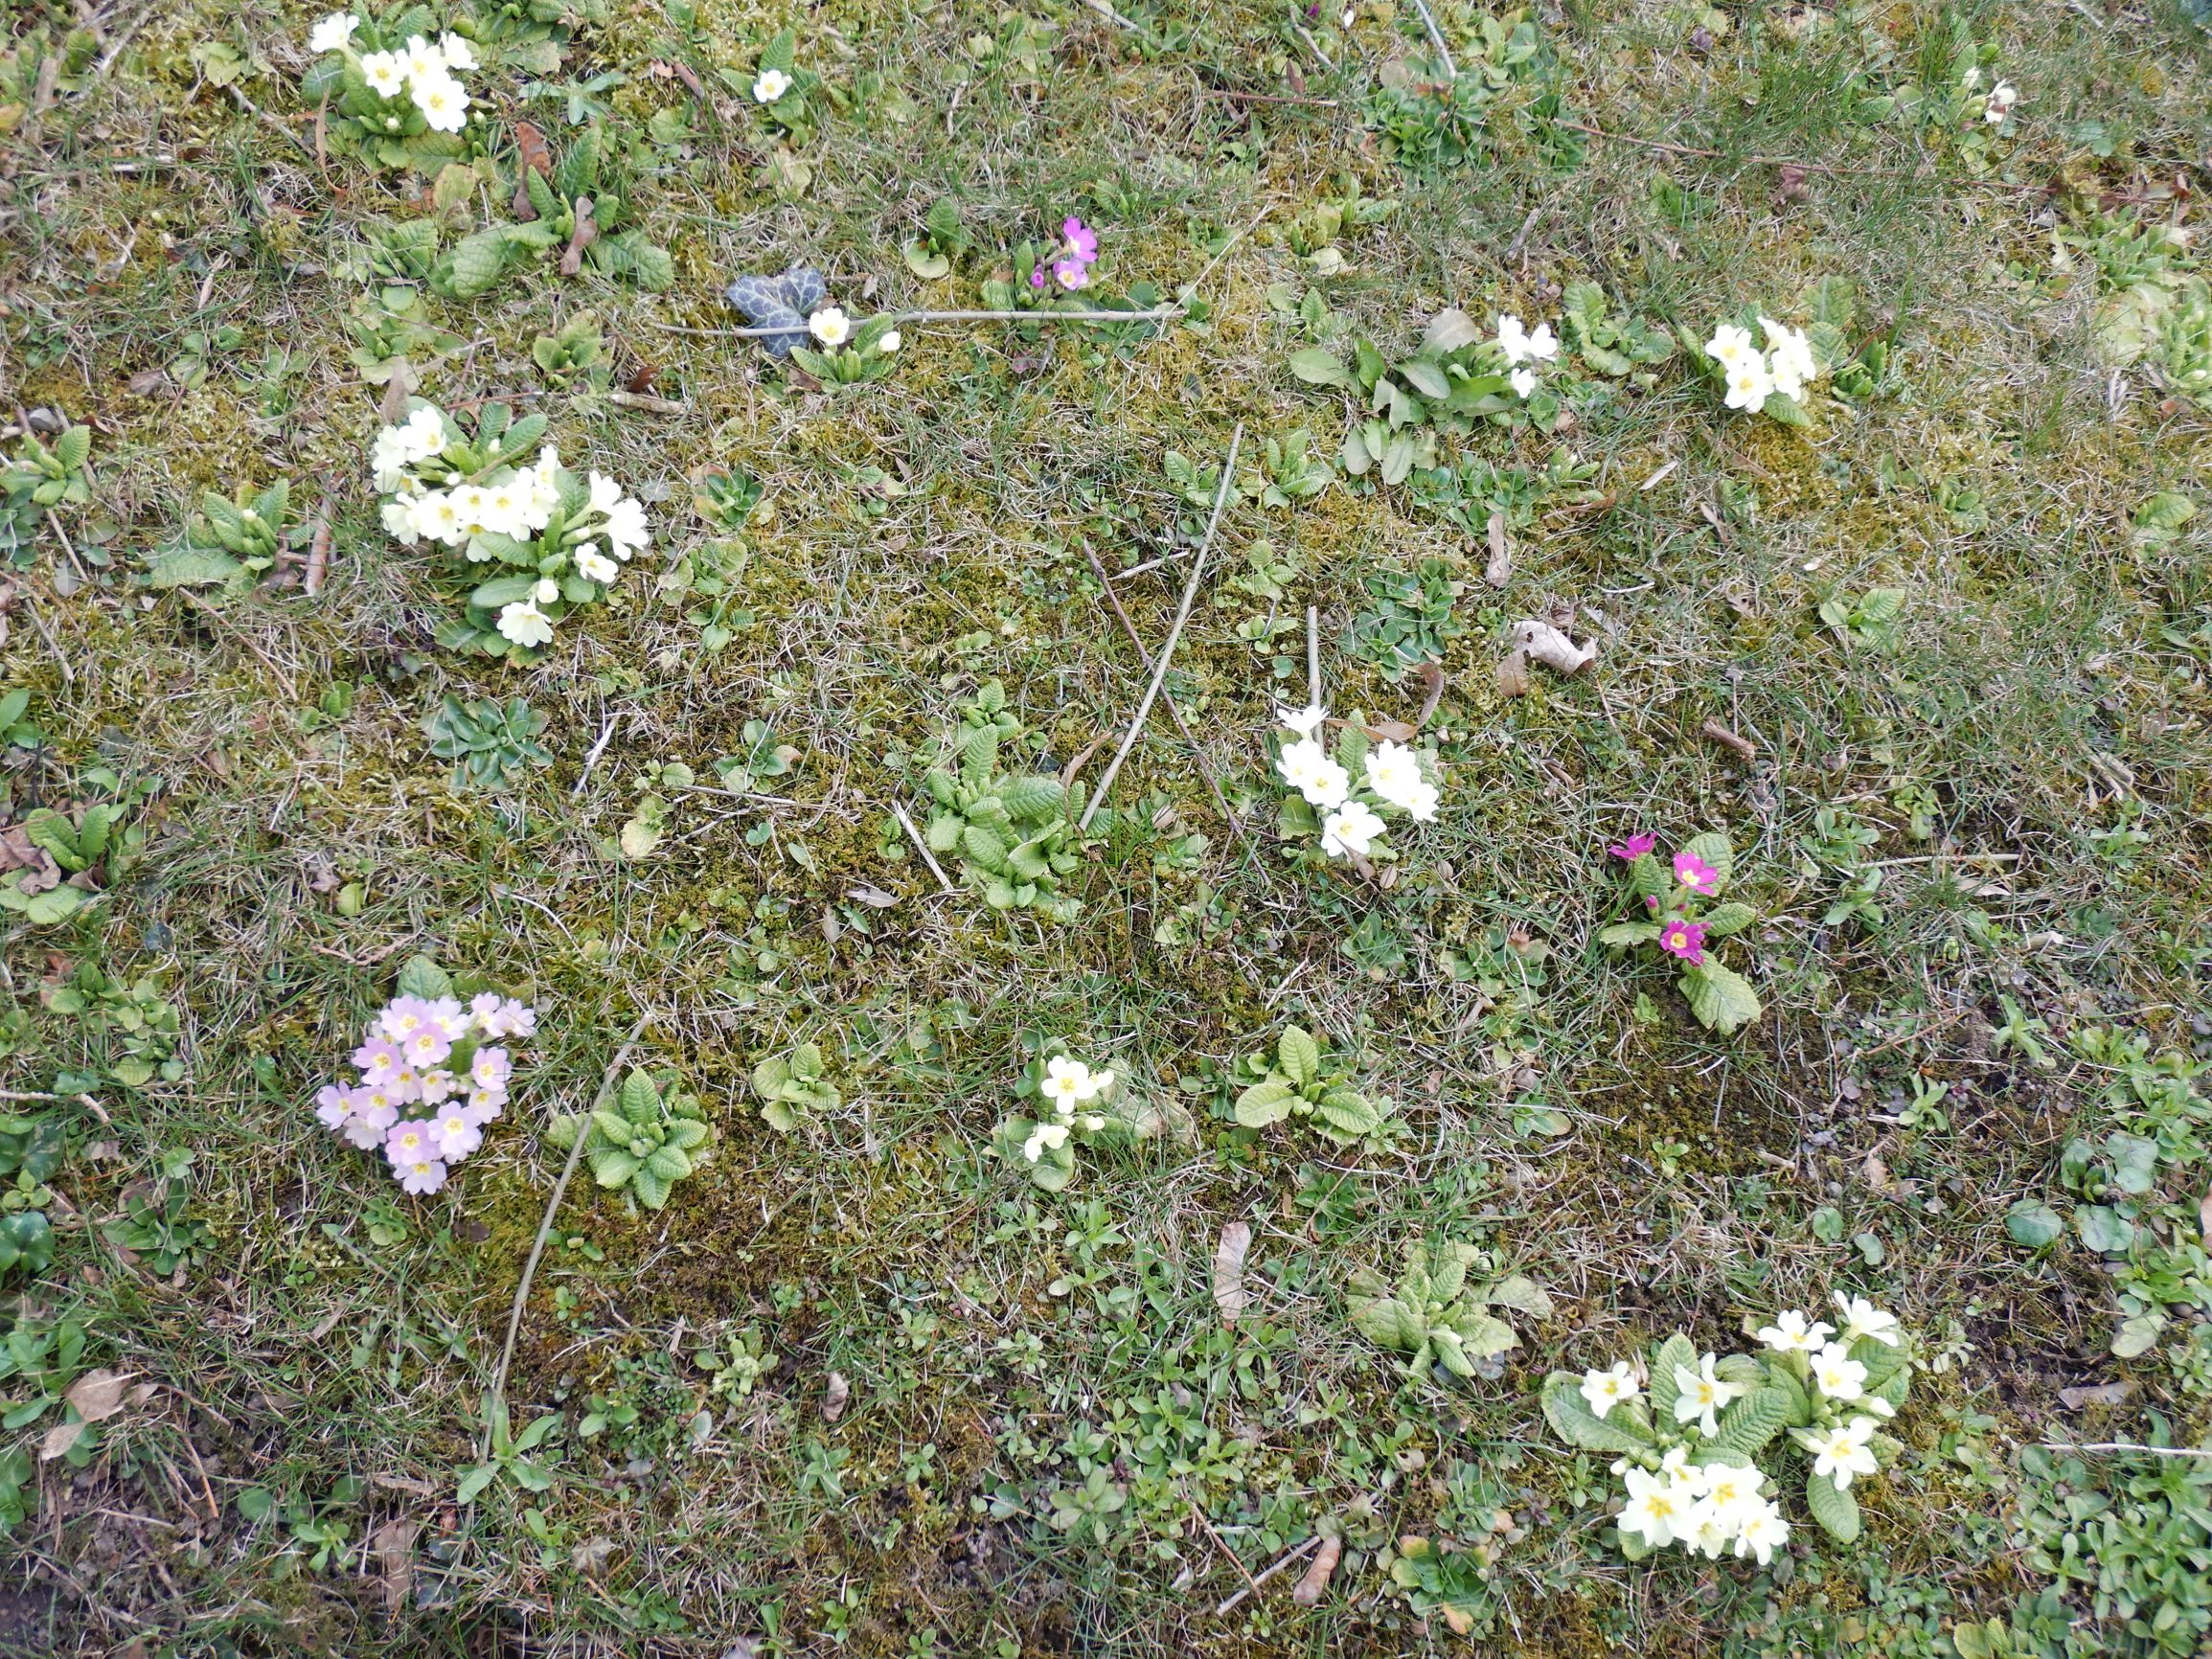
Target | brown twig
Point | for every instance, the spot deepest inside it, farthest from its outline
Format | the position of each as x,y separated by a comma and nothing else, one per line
1743,748
1145,657
318,564
921,847
1256,1579
1251,1585
1436,38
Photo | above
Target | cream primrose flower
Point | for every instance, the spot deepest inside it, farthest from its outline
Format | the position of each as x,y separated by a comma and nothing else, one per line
1524,344
1352,829
1658,1508
422,435
1053,1135
1862,1318
505,502
1523,382
830,327
1702,1395
2002,98
624,529
1971,78
1306,767
1842,1454
389,459
1836,1374
457,53
423,61
524,624
1305,721
1760,1532
1606,1389
770,85
594,565
1730,346
398,518
1731,1493
889,343
1791,1334
1394,773
1749,385
386,74
1069,1083
333,32
1790,358
443,101
546,591
436,516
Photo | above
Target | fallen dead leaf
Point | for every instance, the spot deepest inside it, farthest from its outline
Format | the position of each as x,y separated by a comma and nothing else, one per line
874,897
2104,1394
1449,330
1499,569
98,1395
394,1545
835,1396
537,157
1432,676
587,233
57,1439
1323,1567
590,1557
1229,1294
1546,645
1513,675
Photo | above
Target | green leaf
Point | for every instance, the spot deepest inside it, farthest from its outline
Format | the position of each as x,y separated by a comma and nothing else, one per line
577,173
1676,1351
57,904
474,1480
1300,1054
2032,1223
1721,998
1787,410
192,567
1621,933
1833,1507
1484,1335
1264,1103
1725,920
1037,797
1388,1323
1521,1293
980,843
613,1166
2103,1229
924,264
640,1099
422,977
1748,1424
1571,1419
650,1187
1320,368
1348,1111
75,445
476,262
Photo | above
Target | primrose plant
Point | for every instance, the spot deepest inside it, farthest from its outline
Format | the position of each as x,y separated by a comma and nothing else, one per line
1302,1085
1441,1310
1066,1104
390,90
643,1143
1011,831
558,542
1676,896
1771,380
434,1071
794,1087
1346,798
1689,1428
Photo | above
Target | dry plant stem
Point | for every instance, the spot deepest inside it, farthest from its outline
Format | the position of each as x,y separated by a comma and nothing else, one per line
1436,38
1174,634
39,622
1313,656
1740,746
921,847
1268,1572
552,1207
2129,1447
1804,166
1145,657
1251,1585
1156,314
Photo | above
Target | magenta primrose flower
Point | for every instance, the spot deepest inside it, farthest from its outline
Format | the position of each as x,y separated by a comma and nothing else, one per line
1634,847
1695,874
1082,240
1685,940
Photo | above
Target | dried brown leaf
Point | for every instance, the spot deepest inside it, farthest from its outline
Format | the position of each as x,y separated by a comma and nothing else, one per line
1318,1572
2104,1394
835,1396
537,157
1229,1295
1499,569
58,1440
1547,644
393,1546
1513,675
587,233
1432,676
98,1395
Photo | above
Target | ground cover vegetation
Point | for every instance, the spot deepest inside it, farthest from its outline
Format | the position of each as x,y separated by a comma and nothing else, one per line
1105,828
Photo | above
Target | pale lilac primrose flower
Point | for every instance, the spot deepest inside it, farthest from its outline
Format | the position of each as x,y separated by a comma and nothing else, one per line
404,1017
1634,847
1352,829
439,1086
1791,1334
333,32
333,1104
1842,1454
1702,1395
1606,1389
457,1134
406,1086
491,1069
1836,1374
420,1175
1082,240
378,1058
450,1017
427,1046
770,85
1862,1318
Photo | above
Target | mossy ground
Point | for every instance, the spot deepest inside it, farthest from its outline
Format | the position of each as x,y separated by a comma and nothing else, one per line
996,1342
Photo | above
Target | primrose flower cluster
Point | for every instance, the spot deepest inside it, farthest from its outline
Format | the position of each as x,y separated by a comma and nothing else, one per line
1523,347
1070,259
1785,366
1684,922
1393,778
409,88
433,1073
1071,1102
565,538
1688,1428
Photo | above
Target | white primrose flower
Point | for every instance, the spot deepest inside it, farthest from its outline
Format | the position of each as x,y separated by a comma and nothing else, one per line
1862,1318
1749,385
1971,78
1069,1083
2002,98
1730,346
1700,1395
524,624
1305,721
1791,1334
1731,1494
1351,828
423,434
1836,1374
333,32
389,458
457,53
386,74
1760,1532
625,528
546,591
1053,1135
398,516
423,61
770,85
436,516
1394,773
1524,344
443,101
1606,1389
1523,382
830,327
1658,1508
889,343
1790,358
594,565
1842,1454
1306,767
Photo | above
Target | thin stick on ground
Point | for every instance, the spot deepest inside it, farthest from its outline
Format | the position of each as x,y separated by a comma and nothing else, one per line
1313,656
553,1206
2130,1448
907,319
1267,1572
1174,633
922,846
1436,38
1145,657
